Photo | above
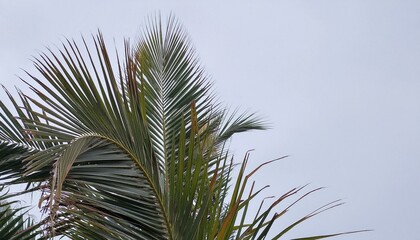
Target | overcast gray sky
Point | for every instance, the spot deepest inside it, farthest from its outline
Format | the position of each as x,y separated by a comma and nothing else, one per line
338,80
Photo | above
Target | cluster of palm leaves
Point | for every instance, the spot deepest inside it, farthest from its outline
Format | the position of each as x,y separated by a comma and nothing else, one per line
129,146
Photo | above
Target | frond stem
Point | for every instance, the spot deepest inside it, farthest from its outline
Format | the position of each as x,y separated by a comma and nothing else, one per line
141,168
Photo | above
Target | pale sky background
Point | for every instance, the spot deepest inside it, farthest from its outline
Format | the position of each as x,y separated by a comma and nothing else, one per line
338,80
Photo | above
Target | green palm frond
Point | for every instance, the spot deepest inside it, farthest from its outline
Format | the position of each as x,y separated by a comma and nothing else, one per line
14,222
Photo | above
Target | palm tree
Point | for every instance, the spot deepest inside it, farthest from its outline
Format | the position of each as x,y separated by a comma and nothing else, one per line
130,147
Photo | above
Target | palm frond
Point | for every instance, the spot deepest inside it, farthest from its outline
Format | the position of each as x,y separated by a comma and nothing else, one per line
15,224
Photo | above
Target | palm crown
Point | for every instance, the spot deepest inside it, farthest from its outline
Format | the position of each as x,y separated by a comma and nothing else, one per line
130,147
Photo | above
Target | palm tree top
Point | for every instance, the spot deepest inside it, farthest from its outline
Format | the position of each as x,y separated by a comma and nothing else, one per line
132,146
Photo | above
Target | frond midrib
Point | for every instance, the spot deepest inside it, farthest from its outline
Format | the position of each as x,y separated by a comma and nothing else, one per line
143,170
